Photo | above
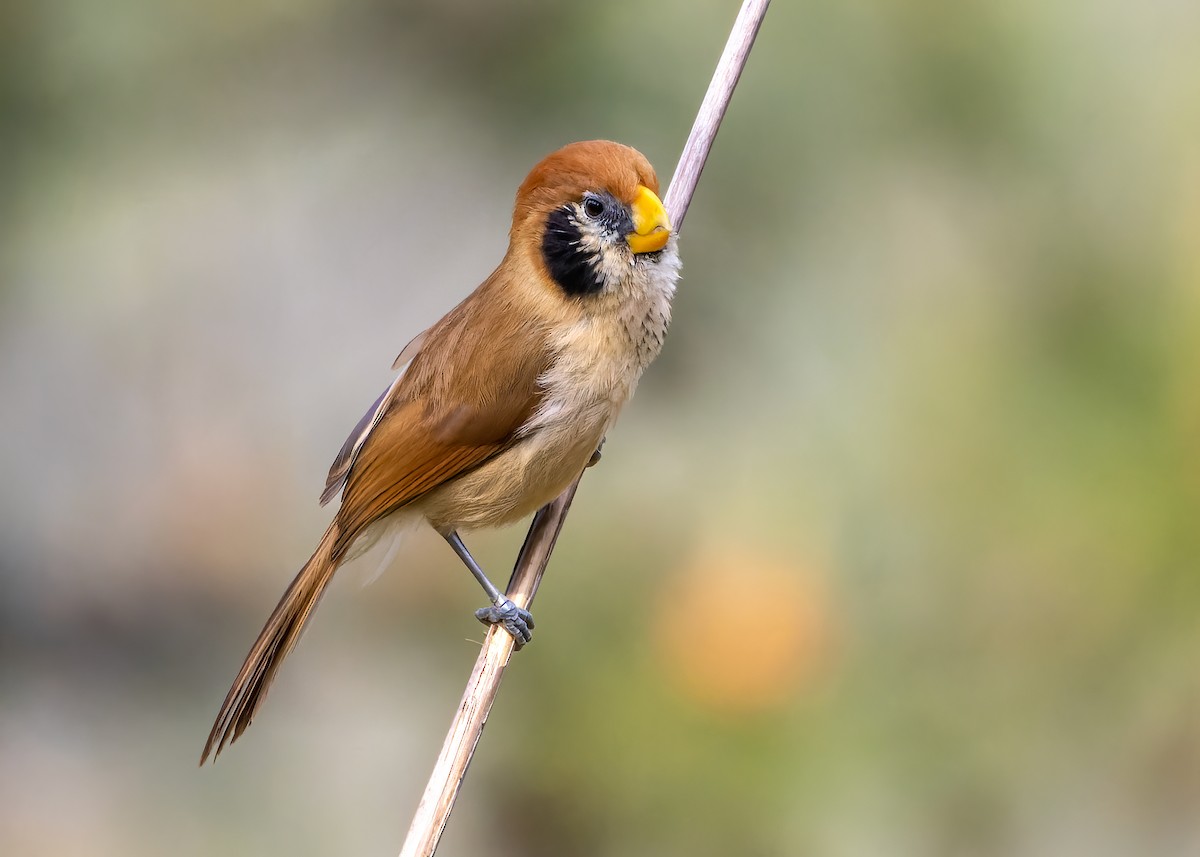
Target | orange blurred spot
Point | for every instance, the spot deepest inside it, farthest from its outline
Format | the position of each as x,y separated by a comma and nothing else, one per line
741,632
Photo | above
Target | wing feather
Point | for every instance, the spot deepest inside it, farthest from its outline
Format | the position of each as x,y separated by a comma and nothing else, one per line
408,352
434,424
340,469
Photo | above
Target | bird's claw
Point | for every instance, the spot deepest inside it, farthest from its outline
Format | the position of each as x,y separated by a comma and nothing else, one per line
517,621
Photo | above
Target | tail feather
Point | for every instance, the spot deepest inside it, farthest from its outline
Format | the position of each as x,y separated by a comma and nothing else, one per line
278,637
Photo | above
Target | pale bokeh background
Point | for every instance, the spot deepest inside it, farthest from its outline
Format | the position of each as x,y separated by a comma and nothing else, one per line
924,443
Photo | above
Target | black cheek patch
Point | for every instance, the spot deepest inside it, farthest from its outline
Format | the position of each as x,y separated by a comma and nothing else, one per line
570,266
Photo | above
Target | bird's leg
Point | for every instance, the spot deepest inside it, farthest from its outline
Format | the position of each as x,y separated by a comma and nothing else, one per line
516,620
595,459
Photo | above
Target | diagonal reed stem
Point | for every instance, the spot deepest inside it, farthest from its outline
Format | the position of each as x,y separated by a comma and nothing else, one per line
438,801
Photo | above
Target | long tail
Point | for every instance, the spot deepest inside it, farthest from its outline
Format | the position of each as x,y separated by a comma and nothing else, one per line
278,638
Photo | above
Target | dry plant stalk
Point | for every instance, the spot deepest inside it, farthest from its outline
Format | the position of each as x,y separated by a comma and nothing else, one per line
438,800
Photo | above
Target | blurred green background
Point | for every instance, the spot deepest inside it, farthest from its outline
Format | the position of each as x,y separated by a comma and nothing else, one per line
924,444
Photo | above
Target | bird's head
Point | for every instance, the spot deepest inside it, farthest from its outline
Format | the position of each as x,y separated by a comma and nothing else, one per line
589,213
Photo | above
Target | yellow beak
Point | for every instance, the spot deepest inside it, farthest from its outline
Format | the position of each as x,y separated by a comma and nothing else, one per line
651,228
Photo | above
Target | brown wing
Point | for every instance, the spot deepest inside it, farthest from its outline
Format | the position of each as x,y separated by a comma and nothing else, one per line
473,384
340,469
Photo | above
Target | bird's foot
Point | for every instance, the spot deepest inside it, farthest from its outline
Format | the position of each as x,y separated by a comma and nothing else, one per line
516,620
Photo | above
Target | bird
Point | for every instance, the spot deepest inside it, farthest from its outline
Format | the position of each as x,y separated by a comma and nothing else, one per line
502,403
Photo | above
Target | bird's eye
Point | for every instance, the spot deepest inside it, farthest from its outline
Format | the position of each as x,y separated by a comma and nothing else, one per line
593,207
